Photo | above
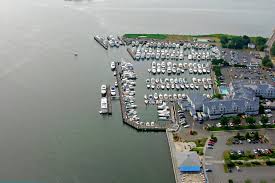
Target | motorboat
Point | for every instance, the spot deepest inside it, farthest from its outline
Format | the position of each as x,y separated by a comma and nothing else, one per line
113,91
192,86
205,87
156,96
103,89
113,65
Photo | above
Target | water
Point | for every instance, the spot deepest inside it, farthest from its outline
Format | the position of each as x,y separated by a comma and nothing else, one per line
51,130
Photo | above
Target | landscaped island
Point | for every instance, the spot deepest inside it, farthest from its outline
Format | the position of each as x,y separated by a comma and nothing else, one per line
225,40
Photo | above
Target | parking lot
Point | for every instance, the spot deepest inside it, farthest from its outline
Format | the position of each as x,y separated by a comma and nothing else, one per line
214,160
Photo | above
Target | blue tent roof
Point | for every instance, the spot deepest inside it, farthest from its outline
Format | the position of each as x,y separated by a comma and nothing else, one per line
189,168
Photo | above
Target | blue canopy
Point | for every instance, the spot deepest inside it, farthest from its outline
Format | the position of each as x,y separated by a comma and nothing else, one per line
190,168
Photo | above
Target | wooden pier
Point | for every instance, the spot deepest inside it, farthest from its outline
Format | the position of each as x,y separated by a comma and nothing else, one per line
109,99
101,42
141,126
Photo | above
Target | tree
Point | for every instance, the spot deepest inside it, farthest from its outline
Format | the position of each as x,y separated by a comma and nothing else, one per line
264,120
230,181
267,62
224,41
250,120
238,136
260,43
261,109
236,120
273,50
224,121
246,40
247,181
256,136
247,135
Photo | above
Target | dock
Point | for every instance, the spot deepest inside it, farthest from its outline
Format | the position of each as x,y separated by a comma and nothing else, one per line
101,42
109,100
141,126
131,53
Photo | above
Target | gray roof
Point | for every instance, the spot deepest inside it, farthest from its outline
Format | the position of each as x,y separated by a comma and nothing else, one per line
198,99
190,158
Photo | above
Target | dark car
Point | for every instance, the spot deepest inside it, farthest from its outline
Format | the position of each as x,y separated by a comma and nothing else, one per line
208,170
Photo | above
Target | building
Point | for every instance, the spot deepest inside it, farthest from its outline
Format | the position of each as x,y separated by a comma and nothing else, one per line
251,45
189,162
196,101
241,100
263,90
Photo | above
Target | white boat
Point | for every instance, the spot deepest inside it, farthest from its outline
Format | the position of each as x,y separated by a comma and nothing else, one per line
162,86
179,96
156,96
175,96
113,91
190,71
163,71
165,96
103,89
186,86
197,87
209,86
192,86
182,86
205,87
160,96
113,65
103,105
168,86
145,96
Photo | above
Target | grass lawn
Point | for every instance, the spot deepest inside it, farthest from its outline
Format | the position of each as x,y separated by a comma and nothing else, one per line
199,150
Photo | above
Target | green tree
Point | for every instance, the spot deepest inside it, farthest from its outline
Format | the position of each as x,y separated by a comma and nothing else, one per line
261,109
247,181
260,43
230,181
266,62
250,120
264,120
236,120
256,136
246,40
273,50
224,121
224,40
247,135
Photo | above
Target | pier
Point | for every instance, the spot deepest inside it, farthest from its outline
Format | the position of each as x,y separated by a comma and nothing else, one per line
109,100
131,53
141,126
101,42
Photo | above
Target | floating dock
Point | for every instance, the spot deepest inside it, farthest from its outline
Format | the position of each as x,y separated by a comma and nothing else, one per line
101,42
125,119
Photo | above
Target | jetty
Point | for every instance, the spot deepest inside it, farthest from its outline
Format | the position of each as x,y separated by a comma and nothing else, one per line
140,126
109,100
102,42
132,54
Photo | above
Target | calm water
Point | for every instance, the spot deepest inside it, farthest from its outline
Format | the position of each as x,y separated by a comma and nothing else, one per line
50,129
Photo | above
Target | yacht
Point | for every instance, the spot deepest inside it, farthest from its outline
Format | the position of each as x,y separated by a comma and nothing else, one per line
205,87
197,87
113,65
192,86
113,91
103,89
156,96
186,86
190,71
145,96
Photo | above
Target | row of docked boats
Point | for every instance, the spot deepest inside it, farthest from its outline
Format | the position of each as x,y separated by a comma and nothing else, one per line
114,42
128,84
178,83
178,68
165,44
158,98
179,53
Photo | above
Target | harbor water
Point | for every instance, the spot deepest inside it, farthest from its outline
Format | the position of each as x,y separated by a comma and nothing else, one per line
50,127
